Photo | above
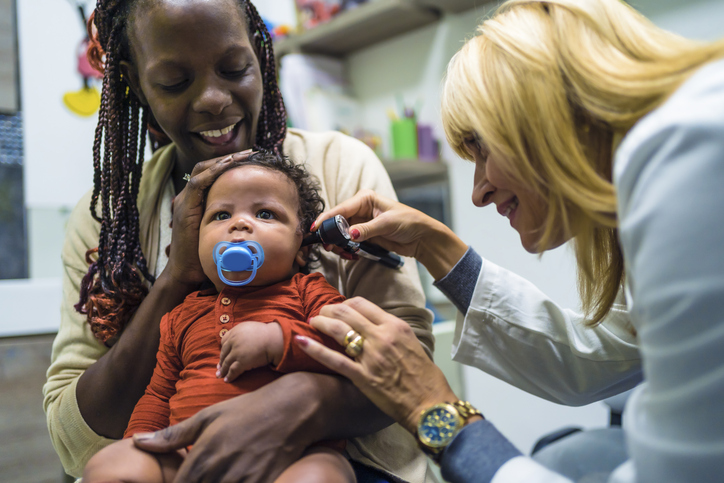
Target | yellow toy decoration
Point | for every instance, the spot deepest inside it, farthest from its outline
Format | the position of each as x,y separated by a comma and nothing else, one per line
86,101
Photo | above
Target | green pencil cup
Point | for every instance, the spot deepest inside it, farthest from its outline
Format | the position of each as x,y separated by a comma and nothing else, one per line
404,138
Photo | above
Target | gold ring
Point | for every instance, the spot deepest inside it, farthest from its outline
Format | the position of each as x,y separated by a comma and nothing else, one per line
354,348
350,335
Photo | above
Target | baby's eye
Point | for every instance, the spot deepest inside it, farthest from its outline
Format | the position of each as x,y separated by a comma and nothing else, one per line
265,215
222,215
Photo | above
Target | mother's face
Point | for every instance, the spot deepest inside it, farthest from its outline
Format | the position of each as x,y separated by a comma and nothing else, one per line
197,70
523,206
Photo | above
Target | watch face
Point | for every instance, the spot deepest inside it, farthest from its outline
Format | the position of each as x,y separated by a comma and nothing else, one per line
438,427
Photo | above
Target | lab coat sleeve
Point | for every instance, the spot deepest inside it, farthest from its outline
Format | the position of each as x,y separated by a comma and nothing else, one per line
516,333
669,174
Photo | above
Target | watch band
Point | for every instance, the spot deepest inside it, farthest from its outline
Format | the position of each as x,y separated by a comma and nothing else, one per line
466,410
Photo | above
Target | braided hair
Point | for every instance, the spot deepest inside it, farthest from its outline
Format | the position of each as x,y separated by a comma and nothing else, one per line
113,287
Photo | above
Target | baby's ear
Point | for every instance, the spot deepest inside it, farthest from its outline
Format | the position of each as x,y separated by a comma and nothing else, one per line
301,257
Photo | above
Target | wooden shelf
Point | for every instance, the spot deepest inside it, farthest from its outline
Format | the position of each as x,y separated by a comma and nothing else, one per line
415,173
453,6
372,22
361,27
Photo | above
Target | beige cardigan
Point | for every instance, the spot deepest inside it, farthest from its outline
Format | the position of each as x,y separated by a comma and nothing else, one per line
343,166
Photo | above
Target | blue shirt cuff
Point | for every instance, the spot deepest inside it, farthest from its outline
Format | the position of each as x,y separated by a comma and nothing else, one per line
459,284
476,453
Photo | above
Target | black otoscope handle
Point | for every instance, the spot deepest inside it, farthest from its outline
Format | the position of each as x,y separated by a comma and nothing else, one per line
385,257
333,231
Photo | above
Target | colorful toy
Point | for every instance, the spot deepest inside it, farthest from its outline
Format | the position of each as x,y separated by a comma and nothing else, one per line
86,101
315,12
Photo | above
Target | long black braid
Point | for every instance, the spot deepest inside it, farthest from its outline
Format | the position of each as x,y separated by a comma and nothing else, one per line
113,288
272,127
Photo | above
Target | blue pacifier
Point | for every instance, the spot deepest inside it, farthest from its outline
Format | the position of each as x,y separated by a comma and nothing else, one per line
246,256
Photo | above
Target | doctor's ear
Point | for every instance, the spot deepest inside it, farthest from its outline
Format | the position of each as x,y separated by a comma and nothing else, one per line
130,75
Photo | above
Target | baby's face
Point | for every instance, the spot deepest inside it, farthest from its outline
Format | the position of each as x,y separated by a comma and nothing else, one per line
252,203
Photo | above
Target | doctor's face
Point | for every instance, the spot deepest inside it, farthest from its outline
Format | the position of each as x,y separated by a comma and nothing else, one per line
523,206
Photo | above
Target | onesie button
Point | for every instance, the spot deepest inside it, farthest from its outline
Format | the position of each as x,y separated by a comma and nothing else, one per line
223,332
224,318
225,301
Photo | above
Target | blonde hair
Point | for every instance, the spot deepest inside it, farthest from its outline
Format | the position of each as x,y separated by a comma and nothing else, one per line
547,85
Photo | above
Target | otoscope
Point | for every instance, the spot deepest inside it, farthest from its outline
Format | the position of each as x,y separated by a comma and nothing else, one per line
335,231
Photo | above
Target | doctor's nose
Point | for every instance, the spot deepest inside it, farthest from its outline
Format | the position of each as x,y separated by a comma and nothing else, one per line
482,189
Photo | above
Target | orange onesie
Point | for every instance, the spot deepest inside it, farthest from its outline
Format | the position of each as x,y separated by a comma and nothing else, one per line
184,380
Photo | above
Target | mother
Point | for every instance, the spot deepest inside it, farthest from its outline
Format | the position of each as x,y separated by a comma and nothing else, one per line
203,73
586,123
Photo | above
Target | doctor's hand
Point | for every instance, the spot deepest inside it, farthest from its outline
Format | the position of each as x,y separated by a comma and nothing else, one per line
401,229
183,264
250,438
392,369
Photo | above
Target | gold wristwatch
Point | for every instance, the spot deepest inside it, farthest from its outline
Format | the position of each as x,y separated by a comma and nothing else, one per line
439,424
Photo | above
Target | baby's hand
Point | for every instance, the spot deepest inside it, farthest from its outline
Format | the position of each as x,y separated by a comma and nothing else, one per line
249,345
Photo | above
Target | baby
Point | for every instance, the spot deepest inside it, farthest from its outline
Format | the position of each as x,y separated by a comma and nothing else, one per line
230,340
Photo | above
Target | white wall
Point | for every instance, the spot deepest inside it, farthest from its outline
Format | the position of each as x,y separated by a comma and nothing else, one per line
58,160
277,11
57,143
696,19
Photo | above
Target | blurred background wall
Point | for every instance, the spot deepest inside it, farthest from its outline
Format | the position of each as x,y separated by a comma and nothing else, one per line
408,68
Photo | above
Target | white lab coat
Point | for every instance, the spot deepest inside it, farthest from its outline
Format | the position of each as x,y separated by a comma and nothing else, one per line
669,176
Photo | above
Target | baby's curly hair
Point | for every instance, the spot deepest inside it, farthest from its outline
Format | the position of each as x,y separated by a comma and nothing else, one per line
311,203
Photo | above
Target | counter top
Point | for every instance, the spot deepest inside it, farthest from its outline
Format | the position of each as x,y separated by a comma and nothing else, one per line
29,306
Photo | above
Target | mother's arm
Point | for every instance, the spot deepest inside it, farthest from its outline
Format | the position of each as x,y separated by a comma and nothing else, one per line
91,390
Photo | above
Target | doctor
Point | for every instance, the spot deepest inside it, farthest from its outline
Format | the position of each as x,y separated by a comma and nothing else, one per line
588,123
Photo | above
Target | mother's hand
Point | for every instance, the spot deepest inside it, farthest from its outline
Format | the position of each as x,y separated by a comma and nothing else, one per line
392,370
400,228
250,438
183,264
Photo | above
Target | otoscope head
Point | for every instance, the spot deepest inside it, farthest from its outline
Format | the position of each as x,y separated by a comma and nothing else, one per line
311,239
333,231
